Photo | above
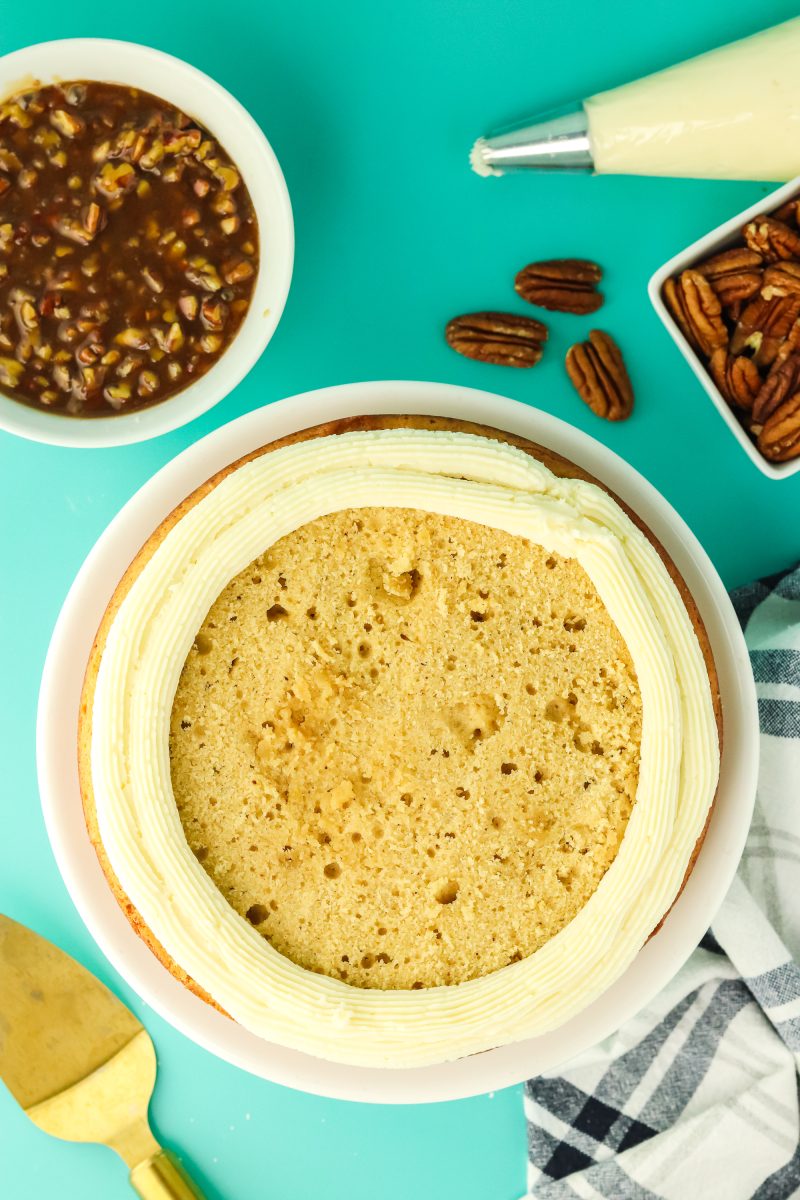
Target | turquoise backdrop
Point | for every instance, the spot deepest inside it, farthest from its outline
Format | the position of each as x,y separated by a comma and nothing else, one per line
371,108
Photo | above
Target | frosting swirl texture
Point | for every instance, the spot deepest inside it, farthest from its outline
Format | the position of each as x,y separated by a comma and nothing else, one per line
455,474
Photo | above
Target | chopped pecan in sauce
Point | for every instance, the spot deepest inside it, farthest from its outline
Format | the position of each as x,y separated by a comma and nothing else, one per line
126,236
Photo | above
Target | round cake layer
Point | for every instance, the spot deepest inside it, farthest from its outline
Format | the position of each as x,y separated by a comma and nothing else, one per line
405,746
433,465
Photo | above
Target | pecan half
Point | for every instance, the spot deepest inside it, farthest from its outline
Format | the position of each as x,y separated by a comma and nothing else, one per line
772,238
673,298
789,212
735,274
562,285
501,338
791,342
736,376
703,312
783,381
598,375
763,327
781,279
779,440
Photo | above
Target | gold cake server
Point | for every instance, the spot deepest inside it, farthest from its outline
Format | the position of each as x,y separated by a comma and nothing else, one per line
78,1061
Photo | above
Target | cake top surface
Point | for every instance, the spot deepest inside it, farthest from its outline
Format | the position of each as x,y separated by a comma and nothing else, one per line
405,746
149,635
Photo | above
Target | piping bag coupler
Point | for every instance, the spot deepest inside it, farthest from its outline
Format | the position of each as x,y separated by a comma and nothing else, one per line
733,113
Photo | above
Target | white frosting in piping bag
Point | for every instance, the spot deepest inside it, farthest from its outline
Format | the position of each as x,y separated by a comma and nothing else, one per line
458,475
733,113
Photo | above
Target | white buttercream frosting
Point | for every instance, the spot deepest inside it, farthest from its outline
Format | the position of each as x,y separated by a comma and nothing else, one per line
458,475
733,113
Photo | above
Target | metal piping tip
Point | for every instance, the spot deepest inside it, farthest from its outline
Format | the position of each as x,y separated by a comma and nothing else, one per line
556,142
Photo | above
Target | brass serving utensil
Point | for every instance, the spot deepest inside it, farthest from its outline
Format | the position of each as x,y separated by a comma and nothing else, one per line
78,1061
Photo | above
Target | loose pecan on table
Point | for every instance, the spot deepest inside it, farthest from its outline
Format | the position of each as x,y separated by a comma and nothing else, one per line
561,285
504,339
599,376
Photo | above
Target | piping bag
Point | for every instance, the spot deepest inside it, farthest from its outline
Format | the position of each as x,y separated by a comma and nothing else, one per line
733,113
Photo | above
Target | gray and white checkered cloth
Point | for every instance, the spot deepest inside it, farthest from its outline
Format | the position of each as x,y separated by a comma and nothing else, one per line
697,1097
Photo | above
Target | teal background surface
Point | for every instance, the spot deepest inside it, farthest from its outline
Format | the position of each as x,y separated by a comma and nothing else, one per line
371,108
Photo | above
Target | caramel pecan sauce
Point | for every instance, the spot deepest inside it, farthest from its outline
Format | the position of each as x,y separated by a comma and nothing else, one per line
128,249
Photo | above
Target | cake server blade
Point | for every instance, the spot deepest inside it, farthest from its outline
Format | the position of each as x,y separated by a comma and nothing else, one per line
78,1061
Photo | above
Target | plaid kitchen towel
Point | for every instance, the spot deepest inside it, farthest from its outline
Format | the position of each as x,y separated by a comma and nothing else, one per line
697,1098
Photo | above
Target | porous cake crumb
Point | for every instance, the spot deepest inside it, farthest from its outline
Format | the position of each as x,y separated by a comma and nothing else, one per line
405,746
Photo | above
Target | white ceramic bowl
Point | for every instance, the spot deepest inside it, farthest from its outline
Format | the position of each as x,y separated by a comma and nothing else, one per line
200,97
712,243
58,777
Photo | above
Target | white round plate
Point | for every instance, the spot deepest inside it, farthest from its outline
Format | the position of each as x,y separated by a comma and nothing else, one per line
58,778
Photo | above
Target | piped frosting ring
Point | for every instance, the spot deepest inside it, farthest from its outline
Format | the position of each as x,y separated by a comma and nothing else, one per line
454,474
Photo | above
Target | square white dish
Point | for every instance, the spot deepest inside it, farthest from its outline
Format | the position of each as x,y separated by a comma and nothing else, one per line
712,243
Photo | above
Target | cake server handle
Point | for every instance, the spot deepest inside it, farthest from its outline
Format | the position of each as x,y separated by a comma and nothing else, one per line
161,1177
